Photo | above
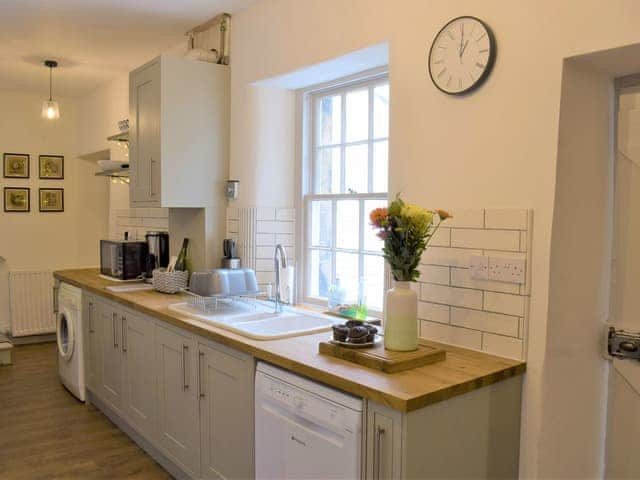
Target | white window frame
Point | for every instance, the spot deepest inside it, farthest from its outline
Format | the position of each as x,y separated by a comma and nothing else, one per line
305,151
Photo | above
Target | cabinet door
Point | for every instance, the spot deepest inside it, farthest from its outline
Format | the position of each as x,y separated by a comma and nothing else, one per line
139,372
178,418
111,362
384,443
93,353
144,135
226,413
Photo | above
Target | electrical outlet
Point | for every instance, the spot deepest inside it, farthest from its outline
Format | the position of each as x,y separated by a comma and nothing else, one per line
506,269
479,267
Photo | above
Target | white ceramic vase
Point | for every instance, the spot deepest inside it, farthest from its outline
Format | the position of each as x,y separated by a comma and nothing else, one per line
401,318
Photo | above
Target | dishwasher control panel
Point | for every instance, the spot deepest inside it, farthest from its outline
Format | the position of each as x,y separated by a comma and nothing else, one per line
309,405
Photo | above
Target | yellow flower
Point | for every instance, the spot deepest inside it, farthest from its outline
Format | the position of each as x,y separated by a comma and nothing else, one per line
418,216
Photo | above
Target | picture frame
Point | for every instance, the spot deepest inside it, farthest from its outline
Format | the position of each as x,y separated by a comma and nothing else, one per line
51,200
51,167
15,165
17,199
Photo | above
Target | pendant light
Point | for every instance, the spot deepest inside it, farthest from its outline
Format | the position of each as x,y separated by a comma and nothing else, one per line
50,108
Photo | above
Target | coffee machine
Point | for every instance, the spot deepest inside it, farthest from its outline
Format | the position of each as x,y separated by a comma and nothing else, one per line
158,251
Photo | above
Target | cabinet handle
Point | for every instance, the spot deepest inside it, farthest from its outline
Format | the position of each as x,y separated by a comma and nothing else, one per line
200,382
124,335
55,299
185,383
91,330
152,162
114,319
378,452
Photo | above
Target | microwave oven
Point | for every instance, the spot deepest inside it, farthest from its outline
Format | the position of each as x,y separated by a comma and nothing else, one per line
123,259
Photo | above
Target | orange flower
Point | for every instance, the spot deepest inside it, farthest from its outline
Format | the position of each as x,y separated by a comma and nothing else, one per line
443,214
378,217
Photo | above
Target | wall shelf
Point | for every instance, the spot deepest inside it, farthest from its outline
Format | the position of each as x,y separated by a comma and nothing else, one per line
119,137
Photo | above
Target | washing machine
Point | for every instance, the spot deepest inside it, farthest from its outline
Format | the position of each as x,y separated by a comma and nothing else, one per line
69,337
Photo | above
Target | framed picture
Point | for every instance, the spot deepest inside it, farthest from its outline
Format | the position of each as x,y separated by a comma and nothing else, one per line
52,200
15,165
16,199
51,167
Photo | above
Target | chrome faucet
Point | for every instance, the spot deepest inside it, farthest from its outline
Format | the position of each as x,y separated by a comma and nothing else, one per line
283,264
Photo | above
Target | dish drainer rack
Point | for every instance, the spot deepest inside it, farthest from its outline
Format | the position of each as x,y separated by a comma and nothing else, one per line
215,302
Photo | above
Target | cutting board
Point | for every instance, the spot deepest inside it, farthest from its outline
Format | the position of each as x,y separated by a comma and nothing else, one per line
384,360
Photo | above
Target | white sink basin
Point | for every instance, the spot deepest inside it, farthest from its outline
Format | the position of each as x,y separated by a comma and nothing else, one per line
258,322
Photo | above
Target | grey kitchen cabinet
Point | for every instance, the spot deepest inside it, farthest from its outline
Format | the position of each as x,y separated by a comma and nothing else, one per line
178,413
178,133
225,388
110,389
92,342
139,392
474,435
383,442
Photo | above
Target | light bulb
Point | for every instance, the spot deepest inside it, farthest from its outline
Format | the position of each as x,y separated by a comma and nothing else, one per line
50,110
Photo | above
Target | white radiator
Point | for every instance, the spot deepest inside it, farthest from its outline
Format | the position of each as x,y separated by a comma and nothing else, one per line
31,303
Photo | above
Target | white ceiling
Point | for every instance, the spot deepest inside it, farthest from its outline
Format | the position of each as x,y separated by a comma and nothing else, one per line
93,40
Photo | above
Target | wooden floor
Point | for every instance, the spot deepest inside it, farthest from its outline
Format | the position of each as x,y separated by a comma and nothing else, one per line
45,433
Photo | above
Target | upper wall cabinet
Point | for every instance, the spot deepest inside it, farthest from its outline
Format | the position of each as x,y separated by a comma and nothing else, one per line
179,133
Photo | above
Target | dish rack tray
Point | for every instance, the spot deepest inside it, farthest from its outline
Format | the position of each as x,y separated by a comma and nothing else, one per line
215,302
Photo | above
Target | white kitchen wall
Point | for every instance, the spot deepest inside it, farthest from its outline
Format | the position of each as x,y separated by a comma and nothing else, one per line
455,308
46,241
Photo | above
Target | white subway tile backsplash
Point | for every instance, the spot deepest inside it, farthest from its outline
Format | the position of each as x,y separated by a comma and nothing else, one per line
451,335
485,321
455,257
266,213
434,274
461,277
264,226
504,303
494,239
233,213
506,219
265,239
462,297
265,265
442,238
265,252
285,239
502,346
433,312
466,219
285,214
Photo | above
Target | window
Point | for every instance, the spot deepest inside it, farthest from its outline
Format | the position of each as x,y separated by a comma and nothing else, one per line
347,143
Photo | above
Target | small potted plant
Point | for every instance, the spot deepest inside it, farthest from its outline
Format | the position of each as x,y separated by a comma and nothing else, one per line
406,230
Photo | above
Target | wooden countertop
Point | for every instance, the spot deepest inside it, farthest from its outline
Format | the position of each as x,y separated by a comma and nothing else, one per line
462,371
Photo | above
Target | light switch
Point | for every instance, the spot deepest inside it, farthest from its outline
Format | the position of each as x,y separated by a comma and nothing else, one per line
479,267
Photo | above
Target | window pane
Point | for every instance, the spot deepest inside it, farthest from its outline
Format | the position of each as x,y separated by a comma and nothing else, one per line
356,163
371,242
347,224
374,281
330,120
381,111
357,115
381,166
320,273
327,174
321,223
347,272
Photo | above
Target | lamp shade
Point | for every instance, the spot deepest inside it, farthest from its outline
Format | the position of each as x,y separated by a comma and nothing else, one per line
50,110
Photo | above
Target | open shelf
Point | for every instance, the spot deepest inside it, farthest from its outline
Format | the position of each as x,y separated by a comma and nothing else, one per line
119,137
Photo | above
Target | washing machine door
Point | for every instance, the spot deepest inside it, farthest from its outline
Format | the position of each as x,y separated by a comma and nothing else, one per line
66,334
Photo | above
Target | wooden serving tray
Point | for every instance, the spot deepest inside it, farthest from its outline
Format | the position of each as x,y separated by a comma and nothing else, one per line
388,361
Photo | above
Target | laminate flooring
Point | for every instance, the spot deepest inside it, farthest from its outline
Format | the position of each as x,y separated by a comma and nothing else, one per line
45,433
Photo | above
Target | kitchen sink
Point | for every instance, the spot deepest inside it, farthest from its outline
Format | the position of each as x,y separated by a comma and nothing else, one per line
257,321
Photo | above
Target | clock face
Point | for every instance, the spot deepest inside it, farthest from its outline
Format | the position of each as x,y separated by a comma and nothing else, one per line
462,55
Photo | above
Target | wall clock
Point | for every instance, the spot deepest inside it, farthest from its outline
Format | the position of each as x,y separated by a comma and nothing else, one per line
462,55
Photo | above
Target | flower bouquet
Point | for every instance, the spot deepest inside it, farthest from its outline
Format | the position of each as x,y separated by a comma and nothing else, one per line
406,230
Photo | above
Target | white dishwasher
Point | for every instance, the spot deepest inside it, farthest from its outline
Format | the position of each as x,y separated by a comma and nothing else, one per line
305,429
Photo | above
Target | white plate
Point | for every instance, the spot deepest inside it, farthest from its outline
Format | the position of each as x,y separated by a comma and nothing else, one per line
376,340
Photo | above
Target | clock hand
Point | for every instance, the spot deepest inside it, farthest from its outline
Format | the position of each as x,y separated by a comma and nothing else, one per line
464,48
460,50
